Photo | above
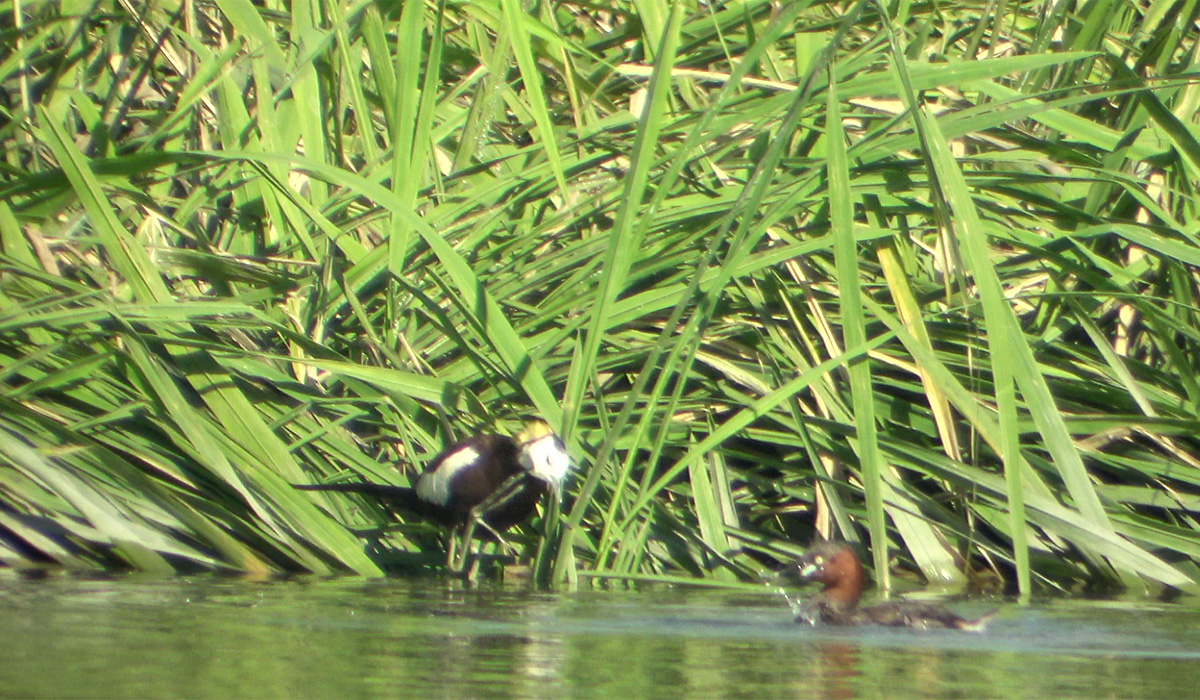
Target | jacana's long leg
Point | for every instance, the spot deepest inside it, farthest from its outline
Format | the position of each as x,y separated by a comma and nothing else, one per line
499,497
452,550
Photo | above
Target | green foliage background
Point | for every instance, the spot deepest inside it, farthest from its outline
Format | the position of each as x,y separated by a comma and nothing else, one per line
923,275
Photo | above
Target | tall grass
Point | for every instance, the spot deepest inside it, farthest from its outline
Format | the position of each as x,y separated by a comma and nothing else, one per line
919,274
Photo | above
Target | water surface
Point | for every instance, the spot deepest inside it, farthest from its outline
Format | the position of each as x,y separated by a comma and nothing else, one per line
427,638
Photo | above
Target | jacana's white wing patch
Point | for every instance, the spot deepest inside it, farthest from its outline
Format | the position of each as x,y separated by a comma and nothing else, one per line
434,486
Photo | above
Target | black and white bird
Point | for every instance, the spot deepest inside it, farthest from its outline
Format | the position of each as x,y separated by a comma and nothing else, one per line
491,480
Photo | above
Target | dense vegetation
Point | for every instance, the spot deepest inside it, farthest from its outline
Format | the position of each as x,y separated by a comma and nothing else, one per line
919,274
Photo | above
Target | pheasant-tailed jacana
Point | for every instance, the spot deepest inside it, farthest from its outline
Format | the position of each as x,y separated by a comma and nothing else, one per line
493,480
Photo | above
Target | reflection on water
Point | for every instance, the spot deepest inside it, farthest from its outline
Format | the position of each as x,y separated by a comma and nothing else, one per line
211,637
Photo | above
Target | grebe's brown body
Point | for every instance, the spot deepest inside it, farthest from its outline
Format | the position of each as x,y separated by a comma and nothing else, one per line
835,565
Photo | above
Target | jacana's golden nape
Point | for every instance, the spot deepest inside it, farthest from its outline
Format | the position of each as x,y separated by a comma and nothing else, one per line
489,480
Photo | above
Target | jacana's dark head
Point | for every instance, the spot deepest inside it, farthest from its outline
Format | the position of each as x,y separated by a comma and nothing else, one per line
543,454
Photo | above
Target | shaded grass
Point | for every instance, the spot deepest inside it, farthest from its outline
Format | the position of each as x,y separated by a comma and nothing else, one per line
769,273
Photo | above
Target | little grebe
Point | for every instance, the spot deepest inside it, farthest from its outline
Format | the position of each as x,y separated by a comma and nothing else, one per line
835,565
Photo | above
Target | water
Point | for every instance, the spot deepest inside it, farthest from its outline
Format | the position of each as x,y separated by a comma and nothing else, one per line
426,638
